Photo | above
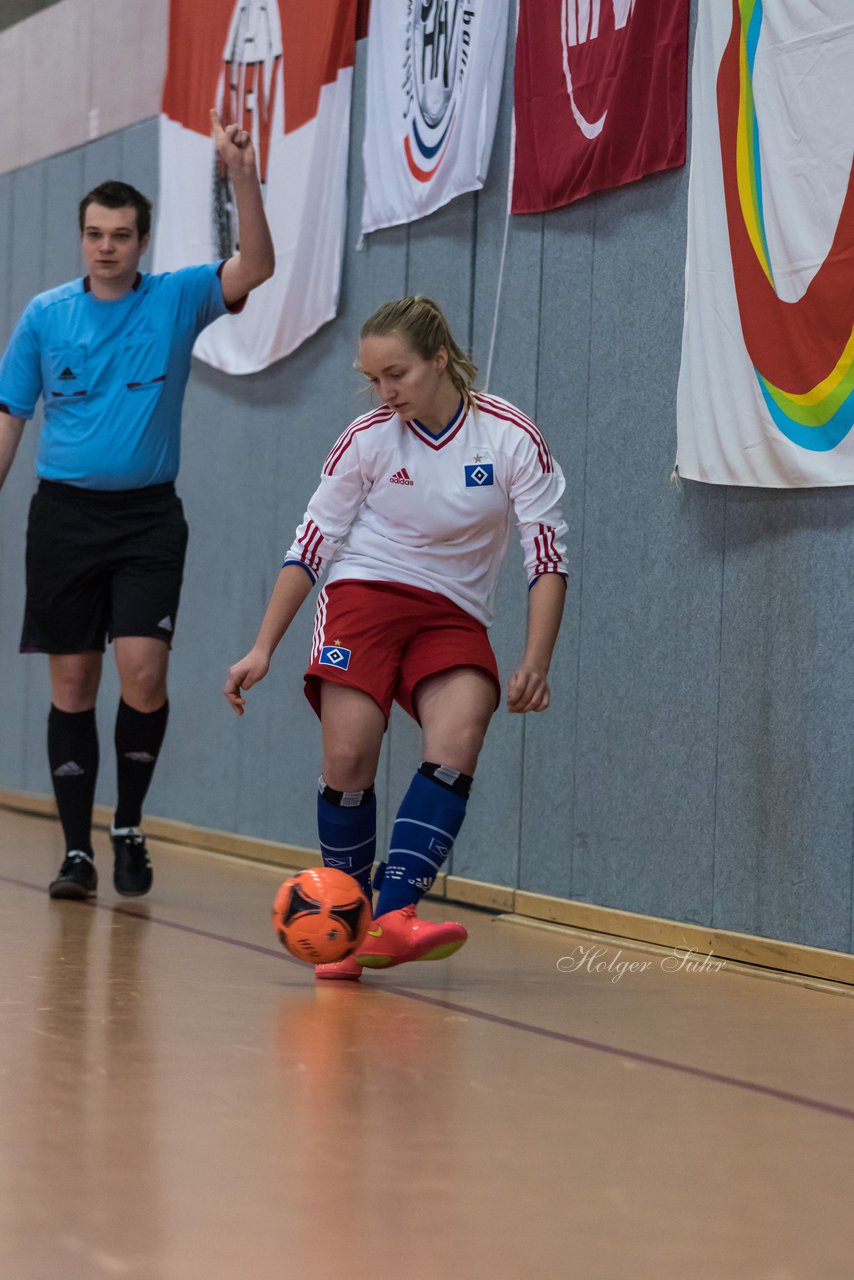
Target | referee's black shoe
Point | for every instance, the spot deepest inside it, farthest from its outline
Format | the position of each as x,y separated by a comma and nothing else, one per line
132,873
77,877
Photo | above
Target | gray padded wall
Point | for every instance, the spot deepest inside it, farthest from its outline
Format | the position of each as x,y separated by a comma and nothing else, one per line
696,762
16,10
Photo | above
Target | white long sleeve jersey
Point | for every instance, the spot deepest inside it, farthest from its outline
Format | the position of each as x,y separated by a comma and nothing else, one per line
398,504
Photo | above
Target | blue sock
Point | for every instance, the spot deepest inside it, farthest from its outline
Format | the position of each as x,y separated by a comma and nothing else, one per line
423,835
347,826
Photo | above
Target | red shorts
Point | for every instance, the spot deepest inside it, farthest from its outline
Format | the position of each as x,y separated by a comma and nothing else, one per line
383,638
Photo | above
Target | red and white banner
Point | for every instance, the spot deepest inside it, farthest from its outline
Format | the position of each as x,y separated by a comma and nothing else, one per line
600,96
434,80
282,70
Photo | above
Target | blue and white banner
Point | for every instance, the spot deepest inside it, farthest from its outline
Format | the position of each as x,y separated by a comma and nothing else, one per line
435,69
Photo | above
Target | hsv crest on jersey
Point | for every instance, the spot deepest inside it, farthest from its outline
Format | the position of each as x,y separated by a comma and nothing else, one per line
478,475
440,537
334,655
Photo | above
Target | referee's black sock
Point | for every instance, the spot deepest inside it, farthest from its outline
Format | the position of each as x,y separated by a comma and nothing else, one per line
72,750
139,735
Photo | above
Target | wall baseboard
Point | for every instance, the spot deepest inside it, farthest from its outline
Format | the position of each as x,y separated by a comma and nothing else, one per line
520,904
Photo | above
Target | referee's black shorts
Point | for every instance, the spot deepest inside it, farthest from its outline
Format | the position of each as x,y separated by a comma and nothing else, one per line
102,564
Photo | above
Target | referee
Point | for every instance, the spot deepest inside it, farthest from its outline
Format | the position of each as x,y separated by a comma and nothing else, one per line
110,356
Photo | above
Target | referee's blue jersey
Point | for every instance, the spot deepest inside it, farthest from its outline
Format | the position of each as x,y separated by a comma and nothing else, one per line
112,375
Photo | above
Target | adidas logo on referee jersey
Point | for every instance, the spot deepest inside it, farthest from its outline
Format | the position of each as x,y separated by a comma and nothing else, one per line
401,477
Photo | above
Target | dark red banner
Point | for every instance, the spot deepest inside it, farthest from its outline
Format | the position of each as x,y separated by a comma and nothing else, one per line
600,96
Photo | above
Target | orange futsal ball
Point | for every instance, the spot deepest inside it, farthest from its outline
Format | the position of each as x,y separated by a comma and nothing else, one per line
321,915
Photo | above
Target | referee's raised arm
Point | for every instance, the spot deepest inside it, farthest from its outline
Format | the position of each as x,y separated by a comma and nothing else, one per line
255,260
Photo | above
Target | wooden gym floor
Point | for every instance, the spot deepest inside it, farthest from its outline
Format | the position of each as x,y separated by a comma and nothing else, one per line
181,1100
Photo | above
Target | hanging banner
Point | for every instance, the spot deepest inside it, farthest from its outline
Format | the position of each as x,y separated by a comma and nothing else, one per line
282,70
434,80
766,386
600,96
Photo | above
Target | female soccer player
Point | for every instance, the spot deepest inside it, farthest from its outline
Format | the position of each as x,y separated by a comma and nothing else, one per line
412,519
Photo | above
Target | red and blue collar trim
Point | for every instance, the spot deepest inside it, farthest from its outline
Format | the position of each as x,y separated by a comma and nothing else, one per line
87,283
438,440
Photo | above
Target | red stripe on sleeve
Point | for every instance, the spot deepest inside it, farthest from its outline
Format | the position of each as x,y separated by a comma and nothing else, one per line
518,419
343,443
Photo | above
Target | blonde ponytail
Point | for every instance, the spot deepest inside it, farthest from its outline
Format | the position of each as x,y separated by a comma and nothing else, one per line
422,324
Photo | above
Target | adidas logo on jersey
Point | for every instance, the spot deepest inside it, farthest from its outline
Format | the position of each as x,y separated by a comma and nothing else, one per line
67,375
401,477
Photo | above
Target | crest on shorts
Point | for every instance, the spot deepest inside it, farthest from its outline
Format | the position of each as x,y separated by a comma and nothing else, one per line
334,655
478,475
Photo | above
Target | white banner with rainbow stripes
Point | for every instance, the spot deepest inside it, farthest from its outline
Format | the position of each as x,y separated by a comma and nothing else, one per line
435,69
766,387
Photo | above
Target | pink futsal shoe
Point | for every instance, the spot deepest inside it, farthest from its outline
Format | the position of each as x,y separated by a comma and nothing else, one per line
346,970
399,936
